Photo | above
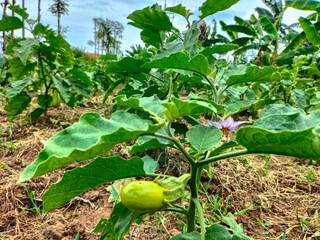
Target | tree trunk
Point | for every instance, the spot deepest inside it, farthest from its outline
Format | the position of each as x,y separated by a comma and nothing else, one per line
12,31
24,21
95,38
39,11
59,27
6,3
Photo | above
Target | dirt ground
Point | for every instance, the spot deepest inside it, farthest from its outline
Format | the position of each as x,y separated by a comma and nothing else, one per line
268,200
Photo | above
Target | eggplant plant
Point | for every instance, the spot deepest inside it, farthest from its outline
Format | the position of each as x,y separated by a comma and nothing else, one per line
41,67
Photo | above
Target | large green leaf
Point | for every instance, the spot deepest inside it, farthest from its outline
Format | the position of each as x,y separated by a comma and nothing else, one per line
300,98
218,232
303,4
154,38
210,7
80,87
8,23
243,22
180,108
284,130
180,60
255,74
128,65
153,18
151,105
203,138
94,174
91,136
310,30
219,49
268,26
17,105
18,86
219,107
24,48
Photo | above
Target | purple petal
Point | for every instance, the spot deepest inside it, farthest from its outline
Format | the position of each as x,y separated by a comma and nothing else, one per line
227,123
216,124
235,125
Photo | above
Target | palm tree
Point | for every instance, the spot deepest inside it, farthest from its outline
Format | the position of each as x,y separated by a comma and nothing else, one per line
58,8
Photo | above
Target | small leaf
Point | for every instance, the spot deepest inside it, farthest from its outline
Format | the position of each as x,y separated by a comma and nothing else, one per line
20,11
188,236
181,10
203,138
18,86
219,49
217,232
24,48
149,165
238,107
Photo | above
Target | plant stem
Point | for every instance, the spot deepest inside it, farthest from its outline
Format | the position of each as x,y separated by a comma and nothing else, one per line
201,217
45,83
194,195
221,156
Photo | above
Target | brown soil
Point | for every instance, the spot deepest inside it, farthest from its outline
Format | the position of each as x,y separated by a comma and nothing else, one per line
278,197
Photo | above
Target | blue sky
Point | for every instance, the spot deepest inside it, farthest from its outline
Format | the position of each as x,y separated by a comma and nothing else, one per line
81,13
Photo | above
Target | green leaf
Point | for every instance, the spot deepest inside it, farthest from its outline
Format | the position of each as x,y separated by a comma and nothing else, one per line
296,43
128,65
24,48
18,69
153,18
42,100
154,38
308,5
219,49
76,73
190,39
118,223
238,107
147,142
168,49
248,47
88,138
17,105
8,23
80,87
62,86
181,10
300,98
20,11
223,147
210,7
235,227
149,165
92,175
219,108
180,60
239,28
268,26
18,86
179,108
287,58
151,105
255,74
301,143
243,22
36,113
310,30
203,138
188,236
217,232
283,130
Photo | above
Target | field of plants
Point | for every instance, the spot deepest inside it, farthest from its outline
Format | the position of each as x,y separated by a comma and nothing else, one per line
170,140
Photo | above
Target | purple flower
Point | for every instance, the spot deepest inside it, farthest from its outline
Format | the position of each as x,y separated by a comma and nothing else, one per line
226,126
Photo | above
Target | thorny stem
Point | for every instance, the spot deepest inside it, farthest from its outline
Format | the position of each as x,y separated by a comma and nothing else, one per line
201,217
